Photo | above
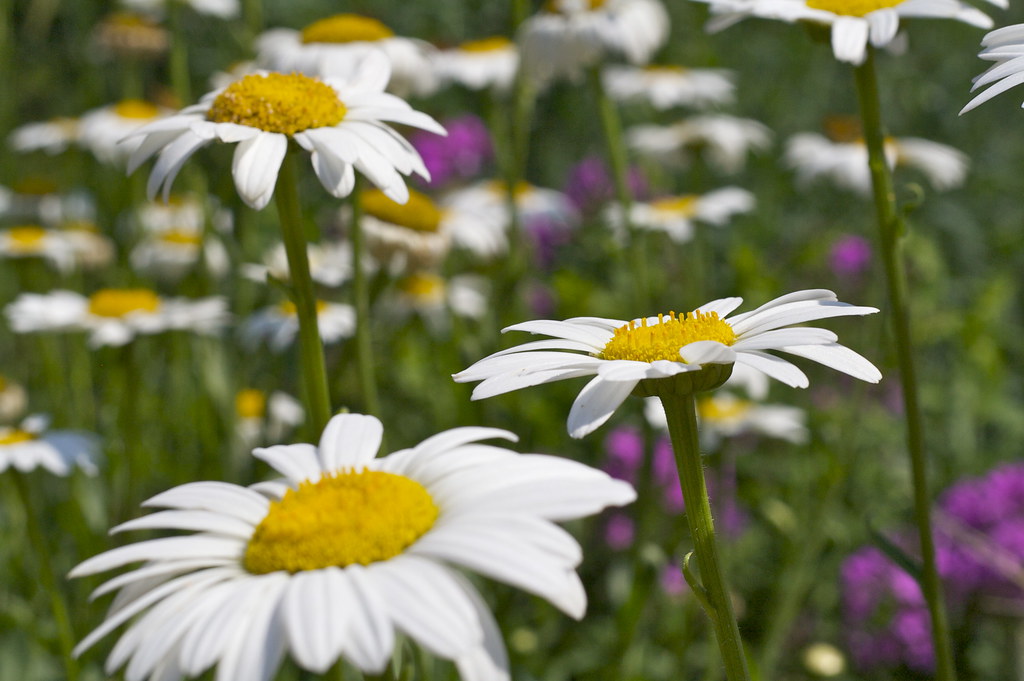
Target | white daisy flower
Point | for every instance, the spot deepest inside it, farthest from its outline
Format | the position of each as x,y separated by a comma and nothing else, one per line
266,420
724,140
490,198
345,552
30,446
130,35
480,64
665,87
568,36
853,23
174,238
279,324
222,9
845,163
675,215
342,123
625,355
328,48
723,414
91,249
1005,47
36,199
13,399
405,236
115,316
433,297
33,241
104,131
330,264
52,136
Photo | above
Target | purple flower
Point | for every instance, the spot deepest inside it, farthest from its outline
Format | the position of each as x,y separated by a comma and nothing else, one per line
459,156
850,255
590,185
672,581
619,532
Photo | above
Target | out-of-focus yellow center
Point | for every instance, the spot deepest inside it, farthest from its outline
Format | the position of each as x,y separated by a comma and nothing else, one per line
521,189
345,518
667,70
644,342
288,309
722,409
127,20
492,44
3,383
346,28
418,213
13,436
113,302
250,403
423,286
181,237
80,226
136,109
26,238
35,186
685,206
562,6
852,8
278,102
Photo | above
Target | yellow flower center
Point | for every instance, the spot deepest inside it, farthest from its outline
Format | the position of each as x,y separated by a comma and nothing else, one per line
35,186
423,286
492,44
722,409
26,238
852,8
80,226
112,302
346,28
181,237
667,70
643,342
419,213
559,6
345,518
250,404
288,309
685,206
136,109
521,189
278,102
3,383
13,436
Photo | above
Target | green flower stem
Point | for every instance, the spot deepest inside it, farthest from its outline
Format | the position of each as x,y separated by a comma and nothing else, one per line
612,127
44,571
361,290
252,13
891,227
681,412
178,66
311,350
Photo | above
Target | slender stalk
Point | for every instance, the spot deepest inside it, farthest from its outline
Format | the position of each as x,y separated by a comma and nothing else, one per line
252,13
681,412
612,127
179,54
36,537
361,290
311,350
890,226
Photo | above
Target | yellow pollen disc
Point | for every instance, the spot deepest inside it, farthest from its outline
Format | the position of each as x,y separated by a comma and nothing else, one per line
35,186
181,237
127,20
677,205
418,213
493,44
346,28
13,436
26,237
521,189
719,409
287,308
667,70
250,404
136,109
345,518
852,8
556,6
278,102
423,286
112,302
643,342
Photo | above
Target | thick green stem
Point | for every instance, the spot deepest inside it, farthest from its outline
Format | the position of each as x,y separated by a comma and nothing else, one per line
361,291
44,568
616,145
311,349
890,226
681,412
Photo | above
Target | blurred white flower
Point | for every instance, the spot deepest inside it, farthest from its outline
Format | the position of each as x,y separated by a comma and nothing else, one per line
31,445
223,9
263,420
34,241
115,316
328,48
722,414
725,141
52,136
434,298
404,236
91,248
665,87
13,399
330,264
479,64
278,325
103,131
675,215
